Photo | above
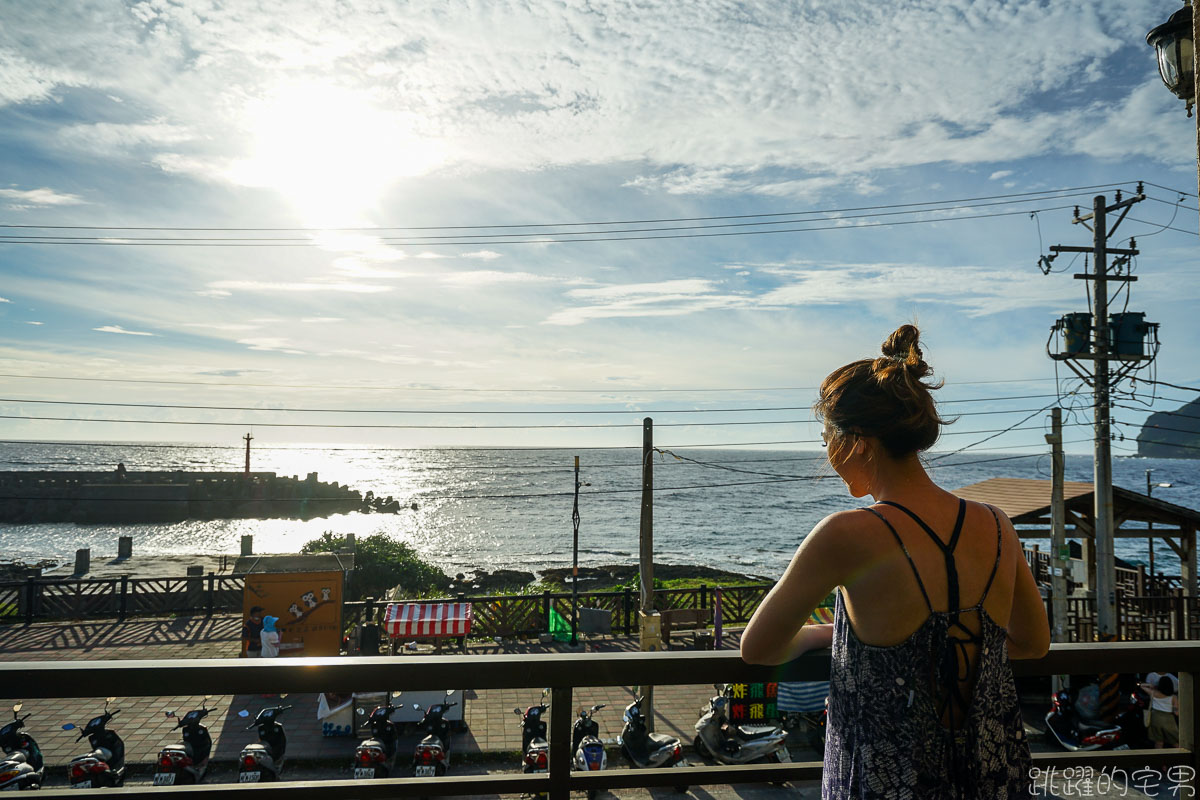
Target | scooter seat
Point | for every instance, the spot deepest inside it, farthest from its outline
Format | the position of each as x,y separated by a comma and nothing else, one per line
1087,728
184,748
662,740
755,731
15,757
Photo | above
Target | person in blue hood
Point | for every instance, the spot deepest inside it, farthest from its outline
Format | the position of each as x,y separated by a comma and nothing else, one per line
270,637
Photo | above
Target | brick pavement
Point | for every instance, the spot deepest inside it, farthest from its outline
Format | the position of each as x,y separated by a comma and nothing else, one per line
491,726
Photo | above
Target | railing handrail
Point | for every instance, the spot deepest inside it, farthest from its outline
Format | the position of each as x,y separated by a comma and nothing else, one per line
562,672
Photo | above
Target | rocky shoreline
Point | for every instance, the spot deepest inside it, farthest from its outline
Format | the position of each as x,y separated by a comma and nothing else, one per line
607,576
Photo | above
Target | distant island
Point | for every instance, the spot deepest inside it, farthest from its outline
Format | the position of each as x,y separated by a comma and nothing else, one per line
1172,434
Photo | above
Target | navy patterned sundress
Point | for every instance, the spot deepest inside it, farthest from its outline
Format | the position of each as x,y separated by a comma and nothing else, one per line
886,738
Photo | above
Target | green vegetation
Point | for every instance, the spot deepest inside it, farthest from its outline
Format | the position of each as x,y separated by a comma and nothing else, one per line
381,563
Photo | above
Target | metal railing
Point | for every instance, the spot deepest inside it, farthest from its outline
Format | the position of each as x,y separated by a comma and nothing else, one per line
563,673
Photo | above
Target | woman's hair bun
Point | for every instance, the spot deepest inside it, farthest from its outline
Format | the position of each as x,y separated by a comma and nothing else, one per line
902,348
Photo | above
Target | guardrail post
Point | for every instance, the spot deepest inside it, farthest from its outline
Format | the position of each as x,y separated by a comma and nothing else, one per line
123,603
30,596
546,608
560,742
1189,714
1180,632
210,603
703,597
626,605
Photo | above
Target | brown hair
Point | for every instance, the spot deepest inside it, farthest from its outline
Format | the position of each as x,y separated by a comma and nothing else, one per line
885,398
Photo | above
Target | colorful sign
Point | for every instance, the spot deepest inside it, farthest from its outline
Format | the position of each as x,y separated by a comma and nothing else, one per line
757,702
309,607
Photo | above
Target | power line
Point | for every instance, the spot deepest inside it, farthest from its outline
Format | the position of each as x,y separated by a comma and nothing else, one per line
520,235
565,412
548,390
1037,194
129,242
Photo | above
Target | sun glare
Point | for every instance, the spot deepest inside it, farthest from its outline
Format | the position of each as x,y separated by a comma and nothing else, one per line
330,151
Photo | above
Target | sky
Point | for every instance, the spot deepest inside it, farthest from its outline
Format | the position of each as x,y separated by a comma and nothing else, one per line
327,146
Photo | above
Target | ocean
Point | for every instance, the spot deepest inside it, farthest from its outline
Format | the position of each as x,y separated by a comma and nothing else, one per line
464,509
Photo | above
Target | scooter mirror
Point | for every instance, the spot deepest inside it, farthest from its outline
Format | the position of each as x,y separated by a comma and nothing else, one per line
70,726
362,712
282,696
243,713
417,706
169,713
449,692
18,707
108,700
208,697
516,711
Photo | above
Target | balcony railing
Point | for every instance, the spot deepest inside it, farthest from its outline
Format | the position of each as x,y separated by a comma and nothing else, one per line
562,673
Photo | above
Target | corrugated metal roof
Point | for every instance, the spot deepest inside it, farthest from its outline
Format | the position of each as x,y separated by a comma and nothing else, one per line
1027,500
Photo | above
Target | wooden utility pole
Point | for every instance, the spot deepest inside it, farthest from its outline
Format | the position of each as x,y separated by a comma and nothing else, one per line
247,437
1106,569
646,530
1059,551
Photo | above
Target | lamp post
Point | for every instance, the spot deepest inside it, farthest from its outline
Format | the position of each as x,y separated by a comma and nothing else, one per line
1174,44
1150,525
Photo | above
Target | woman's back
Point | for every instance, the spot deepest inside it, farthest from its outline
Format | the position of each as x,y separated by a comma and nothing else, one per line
928,708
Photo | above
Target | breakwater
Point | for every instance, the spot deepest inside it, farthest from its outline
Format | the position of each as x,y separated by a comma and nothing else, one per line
126,496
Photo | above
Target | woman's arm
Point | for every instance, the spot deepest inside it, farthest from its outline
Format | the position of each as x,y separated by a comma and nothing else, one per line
776,633
1028,628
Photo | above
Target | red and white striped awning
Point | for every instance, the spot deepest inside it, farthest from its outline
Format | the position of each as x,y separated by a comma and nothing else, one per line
427,619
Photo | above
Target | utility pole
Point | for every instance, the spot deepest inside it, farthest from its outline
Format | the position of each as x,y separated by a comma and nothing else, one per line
575,563
646,529
1120,339
1059,552
247,437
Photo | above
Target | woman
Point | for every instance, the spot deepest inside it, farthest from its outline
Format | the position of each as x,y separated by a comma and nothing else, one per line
1163,729
934,598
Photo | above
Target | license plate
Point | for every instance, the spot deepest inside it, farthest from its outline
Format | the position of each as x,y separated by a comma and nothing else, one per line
250,777
364,772
426,772
82,785
784,755
164,779
1121,747
680,763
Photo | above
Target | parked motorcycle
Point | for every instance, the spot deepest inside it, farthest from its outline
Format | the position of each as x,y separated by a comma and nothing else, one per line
104,766
262,761
21,766
644,749
1073,731
535,749
721,740
587,746
432,754
186,763
375,756
813,723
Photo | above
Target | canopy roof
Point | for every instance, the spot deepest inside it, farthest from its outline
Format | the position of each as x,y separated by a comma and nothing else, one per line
1027,501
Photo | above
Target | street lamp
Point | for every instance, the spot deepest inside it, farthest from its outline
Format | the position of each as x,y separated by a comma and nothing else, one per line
1172,42
1150,525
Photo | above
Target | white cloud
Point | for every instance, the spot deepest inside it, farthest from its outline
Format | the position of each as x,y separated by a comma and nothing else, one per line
42,197
485,255
758,101
488,277
219,326
283,286
1000,173
30,322
119,329
271,343
5,300
322,319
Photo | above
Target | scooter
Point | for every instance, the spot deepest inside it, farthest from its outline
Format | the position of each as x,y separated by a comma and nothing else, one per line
535,749
728,743
22,766
105,765
263,761
432,754
644,749
186,763
376,755
814,724
587,746
1065,725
